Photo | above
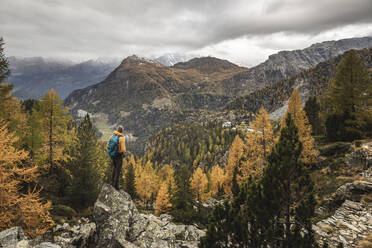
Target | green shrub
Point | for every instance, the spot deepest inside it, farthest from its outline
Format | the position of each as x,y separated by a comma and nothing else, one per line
63,210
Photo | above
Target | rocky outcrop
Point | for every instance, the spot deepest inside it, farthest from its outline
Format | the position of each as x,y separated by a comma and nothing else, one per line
78,236
351,223
10,237
119,224
349,217
361,156
350,191
15,238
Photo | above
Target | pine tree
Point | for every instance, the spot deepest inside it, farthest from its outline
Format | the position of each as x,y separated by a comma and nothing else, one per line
18,207
234,185
34,136
293,188
312,109
348,98
183,199
199,184
286,192
84,187
129,180
258,144
162,203
4,67
309,154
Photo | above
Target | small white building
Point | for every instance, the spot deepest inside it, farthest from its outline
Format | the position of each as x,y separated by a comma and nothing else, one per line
226,124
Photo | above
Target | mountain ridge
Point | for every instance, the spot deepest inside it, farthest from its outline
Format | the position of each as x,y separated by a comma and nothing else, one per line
285,64
146,96
34,76
311,82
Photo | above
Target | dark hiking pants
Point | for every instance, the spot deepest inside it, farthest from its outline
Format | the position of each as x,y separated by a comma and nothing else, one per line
117,165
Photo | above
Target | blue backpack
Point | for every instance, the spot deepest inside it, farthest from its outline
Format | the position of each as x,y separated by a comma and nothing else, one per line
113,146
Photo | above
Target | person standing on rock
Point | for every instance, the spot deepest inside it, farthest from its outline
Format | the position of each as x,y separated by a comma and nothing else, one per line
116,150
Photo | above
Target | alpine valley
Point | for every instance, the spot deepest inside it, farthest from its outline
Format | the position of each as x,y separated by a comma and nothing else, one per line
146,96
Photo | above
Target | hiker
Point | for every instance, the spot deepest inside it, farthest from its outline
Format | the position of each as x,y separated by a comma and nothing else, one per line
116,150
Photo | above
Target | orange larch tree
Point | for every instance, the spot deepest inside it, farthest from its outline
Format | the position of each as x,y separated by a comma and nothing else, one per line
146,182
259,141
235,155
217,177
162,203
199,184
309,153
17,208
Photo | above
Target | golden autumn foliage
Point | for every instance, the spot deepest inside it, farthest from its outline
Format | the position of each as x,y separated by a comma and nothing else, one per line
56,135
199,184
258,144
235,155
217,177
166,175
309,154
25,209
146,182
162,203
11,112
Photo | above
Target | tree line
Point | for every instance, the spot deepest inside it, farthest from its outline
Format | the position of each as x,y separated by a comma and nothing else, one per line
48,162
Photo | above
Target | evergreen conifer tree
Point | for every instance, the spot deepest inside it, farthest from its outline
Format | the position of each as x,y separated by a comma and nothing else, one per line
348,100
273,211
4,67
129,181
312,109
183,198
84,187
34,135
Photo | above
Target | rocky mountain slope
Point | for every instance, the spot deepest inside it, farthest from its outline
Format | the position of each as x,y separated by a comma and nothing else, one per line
286,64
310,82
146,96
33,77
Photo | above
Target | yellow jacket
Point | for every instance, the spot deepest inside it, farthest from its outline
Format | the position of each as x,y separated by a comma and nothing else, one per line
121,149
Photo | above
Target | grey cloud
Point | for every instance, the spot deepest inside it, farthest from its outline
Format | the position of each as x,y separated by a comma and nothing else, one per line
90,27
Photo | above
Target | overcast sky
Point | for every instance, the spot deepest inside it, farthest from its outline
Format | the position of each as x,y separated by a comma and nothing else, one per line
243,31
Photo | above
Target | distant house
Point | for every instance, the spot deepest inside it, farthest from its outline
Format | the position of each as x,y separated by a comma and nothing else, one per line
226,124
250,130
82,113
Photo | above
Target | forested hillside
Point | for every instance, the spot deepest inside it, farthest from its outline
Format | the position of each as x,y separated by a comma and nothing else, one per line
311,82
